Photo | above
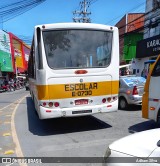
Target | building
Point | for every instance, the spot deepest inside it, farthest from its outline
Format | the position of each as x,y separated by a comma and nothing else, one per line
6,67
20,54
149,47
130,31
14,55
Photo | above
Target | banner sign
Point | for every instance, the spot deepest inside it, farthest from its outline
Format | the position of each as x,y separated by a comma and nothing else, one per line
148,47
18,53
26,55
5,53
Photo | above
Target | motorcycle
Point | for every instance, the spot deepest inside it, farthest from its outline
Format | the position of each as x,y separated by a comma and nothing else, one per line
11,86
5,88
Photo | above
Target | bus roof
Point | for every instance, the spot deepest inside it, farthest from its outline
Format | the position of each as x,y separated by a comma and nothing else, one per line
76,25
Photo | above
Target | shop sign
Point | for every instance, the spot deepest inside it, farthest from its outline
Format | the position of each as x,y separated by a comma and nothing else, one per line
5,53
148,47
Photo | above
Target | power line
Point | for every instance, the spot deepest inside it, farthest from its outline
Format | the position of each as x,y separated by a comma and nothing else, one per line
11,10
145,14
93,1
141,4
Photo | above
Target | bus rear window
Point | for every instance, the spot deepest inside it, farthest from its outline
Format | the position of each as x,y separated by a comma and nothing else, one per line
77,48
156,70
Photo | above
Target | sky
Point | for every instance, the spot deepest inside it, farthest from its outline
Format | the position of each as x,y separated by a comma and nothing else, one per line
107,12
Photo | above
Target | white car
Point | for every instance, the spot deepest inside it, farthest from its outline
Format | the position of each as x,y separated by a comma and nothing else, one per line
139,149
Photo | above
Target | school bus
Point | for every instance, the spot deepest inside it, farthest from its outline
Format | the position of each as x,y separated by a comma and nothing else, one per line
151,96
73,69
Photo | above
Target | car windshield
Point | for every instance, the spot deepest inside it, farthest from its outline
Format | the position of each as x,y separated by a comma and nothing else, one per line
77,48
132,81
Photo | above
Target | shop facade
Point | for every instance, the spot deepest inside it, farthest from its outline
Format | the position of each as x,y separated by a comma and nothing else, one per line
149,47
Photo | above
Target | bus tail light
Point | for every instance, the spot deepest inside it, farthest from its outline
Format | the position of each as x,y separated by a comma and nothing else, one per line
109,99
152,108
103,100
50,104
115,98
81,71
156,100
44,104
56,104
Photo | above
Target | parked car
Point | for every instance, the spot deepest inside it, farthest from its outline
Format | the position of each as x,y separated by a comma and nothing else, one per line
139,149
131,90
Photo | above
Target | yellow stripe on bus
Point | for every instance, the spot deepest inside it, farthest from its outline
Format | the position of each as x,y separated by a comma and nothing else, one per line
62,91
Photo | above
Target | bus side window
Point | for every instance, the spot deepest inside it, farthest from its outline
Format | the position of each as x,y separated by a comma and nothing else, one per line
31,63
156,70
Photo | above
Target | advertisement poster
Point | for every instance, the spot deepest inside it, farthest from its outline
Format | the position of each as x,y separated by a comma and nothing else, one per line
5,53
26,55
18,53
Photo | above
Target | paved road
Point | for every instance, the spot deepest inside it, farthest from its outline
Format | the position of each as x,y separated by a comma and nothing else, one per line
7,98
73,137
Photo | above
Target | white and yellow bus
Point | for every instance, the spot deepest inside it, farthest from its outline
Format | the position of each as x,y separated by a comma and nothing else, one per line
74,69
151,96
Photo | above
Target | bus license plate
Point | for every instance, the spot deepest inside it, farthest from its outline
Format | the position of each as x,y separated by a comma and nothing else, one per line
81,102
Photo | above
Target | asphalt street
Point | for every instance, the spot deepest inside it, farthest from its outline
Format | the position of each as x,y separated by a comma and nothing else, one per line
87,136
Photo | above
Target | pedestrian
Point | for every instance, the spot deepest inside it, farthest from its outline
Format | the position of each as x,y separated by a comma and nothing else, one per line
127,72
120,72
144,73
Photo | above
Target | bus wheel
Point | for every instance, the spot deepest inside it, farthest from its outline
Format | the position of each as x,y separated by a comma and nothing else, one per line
123,103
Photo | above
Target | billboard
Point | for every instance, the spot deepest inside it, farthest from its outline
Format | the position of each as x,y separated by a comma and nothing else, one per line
26,55
148,47
18,53
5,53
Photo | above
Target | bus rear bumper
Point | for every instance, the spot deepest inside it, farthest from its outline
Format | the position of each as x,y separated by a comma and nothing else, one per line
47,113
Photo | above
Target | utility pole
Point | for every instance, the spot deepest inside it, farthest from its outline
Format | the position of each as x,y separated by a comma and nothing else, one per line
82,15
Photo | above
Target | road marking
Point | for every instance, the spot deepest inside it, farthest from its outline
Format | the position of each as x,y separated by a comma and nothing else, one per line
6,134
8,152
15,102
9,115
18,149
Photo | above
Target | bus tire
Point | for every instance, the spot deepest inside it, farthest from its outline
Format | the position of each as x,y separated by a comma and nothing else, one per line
123,103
